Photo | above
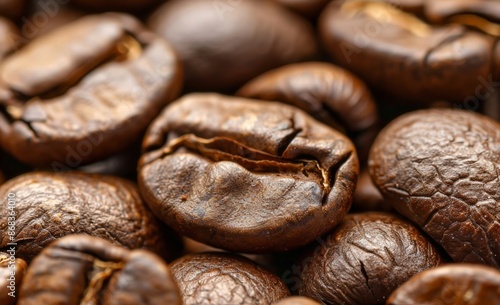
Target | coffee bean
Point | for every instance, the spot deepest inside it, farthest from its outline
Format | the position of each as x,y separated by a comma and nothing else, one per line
365,259
224,44
70,97
245,175
439,168
80,269
49,206
451,284
219,278
423,62
330,94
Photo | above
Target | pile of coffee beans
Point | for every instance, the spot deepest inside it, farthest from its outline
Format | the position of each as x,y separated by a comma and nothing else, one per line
250,152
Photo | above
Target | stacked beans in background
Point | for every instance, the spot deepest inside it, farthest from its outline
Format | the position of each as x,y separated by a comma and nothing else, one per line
240,152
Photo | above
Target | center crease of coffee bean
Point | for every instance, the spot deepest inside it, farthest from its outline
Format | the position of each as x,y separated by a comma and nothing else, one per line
101,272
127,49
220,149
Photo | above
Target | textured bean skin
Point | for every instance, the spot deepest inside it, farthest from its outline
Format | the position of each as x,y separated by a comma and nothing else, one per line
278,178
440,169
85,91
80,269
246,38
7,266
225,279
453,284
365,259
53,205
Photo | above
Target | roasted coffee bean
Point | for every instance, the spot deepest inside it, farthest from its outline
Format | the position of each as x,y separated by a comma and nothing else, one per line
440,169
245,175
296,301
48,206
80,269
223,45
307,8
367,197
84,92
365,259
117,5
12,271
330,94
404,57
9,37
454,284
220,278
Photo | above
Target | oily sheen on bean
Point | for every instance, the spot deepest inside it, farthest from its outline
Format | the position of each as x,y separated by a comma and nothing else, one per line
85,91
245,175
80,269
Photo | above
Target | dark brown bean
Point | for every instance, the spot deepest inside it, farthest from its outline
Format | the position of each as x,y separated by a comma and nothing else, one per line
224,44
245,175
80,269
330,94
50,205
452,284
423,62
84,92
219,278
365,259
440,168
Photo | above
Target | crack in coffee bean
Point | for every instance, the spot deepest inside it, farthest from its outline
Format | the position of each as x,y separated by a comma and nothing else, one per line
269,167
224,149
